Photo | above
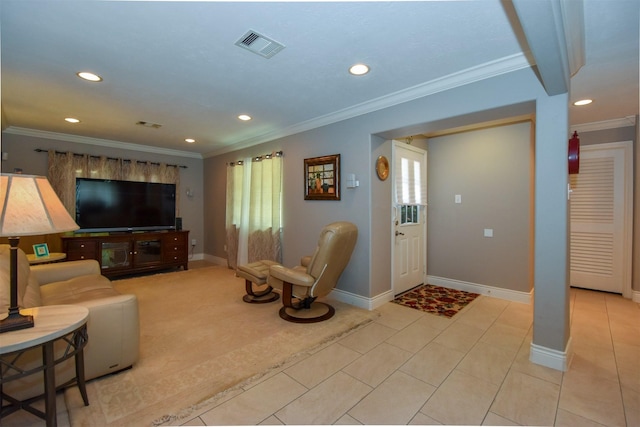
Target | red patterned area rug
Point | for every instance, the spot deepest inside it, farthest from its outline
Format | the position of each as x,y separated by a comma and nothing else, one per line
436,300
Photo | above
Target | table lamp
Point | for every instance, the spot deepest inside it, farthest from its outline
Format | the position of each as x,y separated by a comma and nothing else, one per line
28,206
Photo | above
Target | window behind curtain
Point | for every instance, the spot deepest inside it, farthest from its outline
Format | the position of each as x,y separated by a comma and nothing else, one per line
254,210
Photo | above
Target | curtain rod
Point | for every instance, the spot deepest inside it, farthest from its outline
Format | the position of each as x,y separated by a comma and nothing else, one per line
40,150
258,158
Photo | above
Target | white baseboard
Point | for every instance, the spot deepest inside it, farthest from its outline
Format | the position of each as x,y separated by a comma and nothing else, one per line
380,299
214,259
492,291
360,301
554,359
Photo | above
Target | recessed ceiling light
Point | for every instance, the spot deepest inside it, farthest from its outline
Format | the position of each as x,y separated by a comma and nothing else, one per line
244,117
190,140
583,102
89,76
72,120
359,69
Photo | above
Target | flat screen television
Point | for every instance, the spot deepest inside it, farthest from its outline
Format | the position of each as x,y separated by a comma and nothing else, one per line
110,205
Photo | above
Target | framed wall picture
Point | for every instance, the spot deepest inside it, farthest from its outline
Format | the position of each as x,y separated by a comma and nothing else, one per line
41,250
322,178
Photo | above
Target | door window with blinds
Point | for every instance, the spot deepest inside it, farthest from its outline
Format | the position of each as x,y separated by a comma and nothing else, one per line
409,186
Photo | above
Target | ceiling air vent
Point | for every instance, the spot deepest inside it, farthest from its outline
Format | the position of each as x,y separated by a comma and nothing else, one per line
259,44
149,124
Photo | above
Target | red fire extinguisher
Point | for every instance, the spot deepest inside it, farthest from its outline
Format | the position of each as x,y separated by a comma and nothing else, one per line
574,154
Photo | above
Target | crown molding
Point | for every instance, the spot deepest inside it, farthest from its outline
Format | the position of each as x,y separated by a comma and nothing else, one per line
481,72
99,142
605,124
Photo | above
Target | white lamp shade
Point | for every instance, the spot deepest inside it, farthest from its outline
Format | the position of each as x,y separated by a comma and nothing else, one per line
29,206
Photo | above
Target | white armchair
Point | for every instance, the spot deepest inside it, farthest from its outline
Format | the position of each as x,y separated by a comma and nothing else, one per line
113,324
316,276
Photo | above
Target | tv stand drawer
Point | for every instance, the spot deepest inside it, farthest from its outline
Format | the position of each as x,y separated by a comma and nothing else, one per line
80,249
174,248
175,253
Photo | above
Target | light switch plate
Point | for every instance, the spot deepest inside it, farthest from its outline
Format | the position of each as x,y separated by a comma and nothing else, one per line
488,232
458,198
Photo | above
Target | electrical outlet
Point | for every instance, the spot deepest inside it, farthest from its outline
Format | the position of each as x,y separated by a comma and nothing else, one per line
193,242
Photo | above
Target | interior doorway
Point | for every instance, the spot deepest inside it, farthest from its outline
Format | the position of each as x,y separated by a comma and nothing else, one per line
601,215
409,225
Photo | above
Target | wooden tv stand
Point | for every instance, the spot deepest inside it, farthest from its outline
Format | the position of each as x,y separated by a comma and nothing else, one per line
130,253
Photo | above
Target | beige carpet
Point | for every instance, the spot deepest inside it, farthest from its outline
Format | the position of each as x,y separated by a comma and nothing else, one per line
198,338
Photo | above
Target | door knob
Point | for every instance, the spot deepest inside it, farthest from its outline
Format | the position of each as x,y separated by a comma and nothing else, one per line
399,233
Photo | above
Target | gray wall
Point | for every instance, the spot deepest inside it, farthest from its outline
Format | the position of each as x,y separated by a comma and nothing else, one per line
491,170
359,141
380,217
303,219
551,242
20,149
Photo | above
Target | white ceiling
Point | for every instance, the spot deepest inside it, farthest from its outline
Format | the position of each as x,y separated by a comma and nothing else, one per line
175,64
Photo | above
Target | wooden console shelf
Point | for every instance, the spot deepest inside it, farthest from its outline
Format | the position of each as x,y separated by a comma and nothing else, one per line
130,253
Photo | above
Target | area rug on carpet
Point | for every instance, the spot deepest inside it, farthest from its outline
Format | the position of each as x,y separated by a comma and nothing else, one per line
197,339
436,300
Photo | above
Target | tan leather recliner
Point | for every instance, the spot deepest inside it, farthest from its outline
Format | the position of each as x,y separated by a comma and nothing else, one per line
113,324
316,276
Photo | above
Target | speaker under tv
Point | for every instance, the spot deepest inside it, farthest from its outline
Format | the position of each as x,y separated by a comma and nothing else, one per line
104,205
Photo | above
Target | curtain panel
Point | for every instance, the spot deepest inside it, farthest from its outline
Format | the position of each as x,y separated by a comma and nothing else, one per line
253,210
64,168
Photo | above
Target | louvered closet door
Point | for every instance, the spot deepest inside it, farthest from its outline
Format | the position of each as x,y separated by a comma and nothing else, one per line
597,221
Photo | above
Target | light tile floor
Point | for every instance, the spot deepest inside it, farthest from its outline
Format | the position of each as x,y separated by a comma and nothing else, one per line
410,367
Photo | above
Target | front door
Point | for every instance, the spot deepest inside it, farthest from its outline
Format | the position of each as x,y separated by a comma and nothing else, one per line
409,217
601,219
